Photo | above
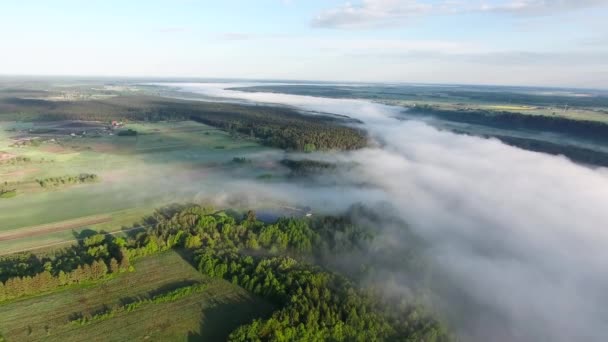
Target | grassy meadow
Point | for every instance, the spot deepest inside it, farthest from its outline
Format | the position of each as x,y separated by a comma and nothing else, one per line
209,315
166,162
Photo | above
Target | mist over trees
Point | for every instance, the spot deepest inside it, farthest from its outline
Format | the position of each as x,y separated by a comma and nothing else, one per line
275,261
500,222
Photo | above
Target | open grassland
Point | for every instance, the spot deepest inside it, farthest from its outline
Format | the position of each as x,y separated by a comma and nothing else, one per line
63,233
52,227
166,162
209,315
60,153
134,172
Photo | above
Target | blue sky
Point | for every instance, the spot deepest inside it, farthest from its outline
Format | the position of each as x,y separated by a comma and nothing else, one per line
523,42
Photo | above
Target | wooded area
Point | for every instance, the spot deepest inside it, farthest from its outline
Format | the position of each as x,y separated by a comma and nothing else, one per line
274,261
274,126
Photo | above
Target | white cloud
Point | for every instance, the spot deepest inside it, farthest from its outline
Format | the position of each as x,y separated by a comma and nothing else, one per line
393,46
541,7
381,13
371,13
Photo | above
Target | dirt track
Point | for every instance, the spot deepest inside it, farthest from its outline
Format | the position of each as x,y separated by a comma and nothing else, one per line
52,227
64,242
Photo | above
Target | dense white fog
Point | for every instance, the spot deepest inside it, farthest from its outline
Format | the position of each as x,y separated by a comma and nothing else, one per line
521,234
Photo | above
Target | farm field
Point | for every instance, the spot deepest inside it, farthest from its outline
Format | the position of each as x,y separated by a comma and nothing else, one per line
132,174
124,165
209,315
63,233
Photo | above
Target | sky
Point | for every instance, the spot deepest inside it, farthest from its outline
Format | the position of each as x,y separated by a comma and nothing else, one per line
560,43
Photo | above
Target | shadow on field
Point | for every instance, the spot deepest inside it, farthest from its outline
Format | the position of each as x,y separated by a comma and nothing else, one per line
84,233
159,291
219,321
226,315
187,255
173,286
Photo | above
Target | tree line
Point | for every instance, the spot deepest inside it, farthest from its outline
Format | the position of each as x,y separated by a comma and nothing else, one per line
67,180
16,160
92,259
517,121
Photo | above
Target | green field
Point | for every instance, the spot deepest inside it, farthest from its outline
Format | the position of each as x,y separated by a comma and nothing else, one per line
114,222
133,173
209,315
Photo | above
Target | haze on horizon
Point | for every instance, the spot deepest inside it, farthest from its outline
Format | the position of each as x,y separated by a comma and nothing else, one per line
516,42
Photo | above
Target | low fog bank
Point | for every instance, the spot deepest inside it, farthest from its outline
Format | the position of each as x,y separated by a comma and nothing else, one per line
519,236
230,184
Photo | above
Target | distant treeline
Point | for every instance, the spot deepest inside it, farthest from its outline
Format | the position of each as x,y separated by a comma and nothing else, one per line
16,161
19,160
67,180
515,121
270,260
501,96
487,94
575,153
274,126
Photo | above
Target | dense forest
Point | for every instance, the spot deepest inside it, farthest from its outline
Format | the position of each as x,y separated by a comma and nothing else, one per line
275,261
512,121
470,93
274,126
